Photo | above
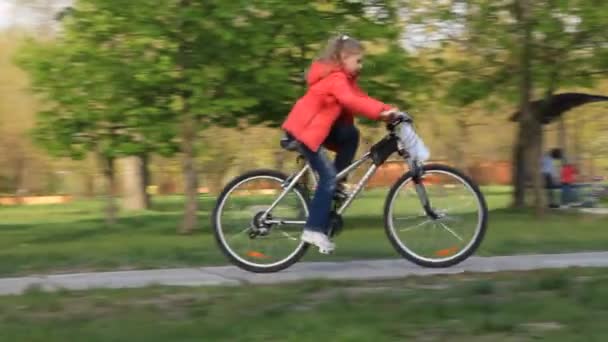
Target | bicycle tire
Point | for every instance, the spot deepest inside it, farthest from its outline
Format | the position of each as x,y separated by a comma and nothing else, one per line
218,234
397,244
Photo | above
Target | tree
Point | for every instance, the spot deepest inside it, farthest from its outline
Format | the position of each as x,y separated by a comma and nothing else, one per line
136,178
284,37
98,98
140,77
130,78
519,49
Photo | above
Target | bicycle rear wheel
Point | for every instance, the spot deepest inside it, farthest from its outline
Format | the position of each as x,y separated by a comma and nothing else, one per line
454,229
252,240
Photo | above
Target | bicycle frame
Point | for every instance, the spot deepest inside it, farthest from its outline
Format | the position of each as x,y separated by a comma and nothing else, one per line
378,154
341,175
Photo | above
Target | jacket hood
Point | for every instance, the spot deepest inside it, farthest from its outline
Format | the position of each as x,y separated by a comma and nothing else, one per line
319,70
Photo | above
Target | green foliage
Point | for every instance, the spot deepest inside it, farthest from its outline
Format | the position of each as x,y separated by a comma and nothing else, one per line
465,91
285,36
120,76
568,45
91,101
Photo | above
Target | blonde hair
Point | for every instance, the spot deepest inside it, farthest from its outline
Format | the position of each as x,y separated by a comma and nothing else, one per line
339,45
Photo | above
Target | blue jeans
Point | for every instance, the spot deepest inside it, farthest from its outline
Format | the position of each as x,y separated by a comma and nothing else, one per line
568,193
346,139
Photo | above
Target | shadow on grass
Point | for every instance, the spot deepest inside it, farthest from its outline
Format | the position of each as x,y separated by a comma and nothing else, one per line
16,227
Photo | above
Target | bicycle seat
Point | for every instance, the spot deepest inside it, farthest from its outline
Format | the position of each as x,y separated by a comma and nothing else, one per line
289,143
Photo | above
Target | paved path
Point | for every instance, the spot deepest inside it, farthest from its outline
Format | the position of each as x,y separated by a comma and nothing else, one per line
229,275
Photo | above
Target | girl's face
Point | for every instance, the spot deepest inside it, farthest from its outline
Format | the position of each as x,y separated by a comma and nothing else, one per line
352,63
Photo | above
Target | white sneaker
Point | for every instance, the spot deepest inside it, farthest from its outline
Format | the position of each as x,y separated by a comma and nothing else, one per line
318,239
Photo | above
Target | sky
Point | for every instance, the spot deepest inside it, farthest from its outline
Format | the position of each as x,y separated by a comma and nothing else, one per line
29,15
25,14
5,10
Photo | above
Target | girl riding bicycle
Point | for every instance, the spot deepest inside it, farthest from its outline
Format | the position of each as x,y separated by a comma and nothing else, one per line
434,215
324,116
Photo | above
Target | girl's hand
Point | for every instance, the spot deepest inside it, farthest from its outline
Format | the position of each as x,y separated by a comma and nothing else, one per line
389,115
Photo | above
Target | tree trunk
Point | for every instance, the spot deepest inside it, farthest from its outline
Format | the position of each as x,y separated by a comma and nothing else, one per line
107,164
519,170
147,178
578,156
536,151
189,130
529,143
190,175
526,165
562,135
135,183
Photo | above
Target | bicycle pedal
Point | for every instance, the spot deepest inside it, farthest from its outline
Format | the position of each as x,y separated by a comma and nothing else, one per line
340,197
341,191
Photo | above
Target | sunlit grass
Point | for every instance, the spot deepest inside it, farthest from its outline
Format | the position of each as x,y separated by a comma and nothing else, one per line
73,237
556,305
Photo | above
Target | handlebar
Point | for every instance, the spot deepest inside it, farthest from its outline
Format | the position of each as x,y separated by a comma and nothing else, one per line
400,117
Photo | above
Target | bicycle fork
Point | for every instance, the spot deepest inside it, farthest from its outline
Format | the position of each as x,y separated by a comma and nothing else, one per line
418,172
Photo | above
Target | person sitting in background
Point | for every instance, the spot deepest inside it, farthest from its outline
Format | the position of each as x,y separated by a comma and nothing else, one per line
550,175
568,178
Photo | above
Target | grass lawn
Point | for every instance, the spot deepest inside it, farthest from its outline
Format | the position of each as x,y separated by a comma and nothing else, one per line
73,237
556,305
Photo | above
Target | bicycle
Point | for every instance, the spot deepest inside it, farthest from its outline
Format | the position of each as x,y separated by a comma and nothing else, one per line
270,210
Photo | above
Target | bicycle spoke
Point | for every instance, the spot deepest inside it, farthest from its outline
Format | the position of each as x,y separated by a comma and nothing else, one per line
458,207
416,226
409,217
275,238
451,231
445,239
248,201
241,232
452,219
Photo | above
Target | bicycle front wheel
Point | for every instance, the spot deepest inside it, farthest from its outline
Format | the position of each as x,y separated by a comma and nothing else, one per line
256,229
447,234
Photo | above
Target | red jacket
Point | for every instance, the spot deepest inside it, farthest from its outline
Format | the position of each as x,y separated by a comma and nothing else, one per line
568,174
332,94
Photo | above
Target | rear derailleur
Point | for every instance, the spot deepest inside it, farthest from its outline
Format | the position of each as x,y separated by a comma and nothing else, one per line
258,225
